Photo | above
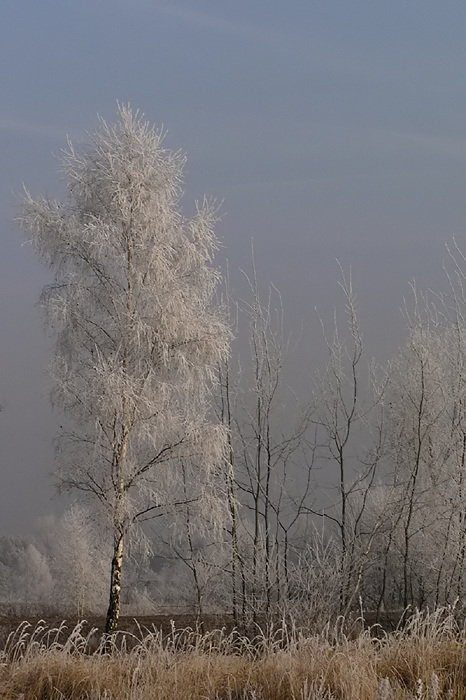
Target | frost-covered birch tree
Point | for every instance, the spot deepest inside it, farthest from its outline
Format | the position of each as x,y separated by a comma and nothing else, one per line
346,416
138,335
422,546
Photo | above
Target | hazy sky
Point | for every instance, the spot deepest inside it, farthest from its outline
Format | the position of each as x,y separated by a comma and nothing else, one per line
330,130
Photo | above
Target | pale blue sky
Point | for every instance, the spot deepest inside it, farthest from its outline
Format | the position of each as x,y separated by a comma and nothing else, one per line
330,130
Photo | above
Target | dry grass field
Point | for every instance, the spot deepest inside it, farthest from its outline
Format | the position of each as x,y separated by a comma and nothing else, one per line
426,659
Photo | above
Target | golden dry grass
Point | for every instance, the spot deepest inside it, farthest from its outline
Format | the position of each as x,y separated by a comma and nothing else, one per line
427,659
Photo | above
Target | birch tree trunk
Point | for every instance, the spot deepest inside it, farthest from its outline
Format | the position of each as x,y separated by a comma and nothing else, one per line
113,612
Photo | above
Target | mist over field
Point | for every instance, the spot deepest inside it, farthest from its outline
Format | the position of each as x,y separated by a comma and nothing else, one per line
256,412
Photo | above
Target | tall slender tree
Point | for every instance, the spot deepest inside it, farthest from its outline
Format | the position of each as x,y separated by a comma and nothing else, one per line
138,336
